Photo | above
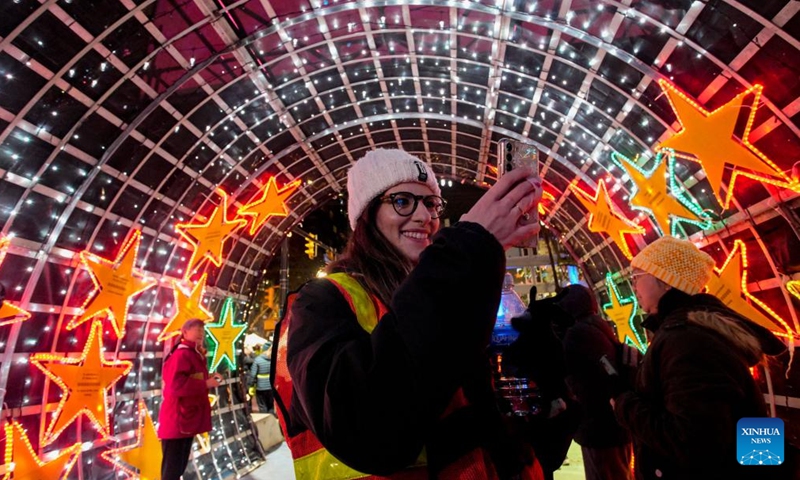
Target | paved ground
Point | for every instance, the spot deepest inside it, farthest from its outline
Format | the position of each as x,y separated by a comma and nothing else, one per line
279,466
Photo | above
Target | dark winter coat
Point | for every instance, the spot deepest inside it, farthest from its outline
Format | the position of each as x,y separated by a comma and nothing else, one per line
692,387
185,409
375,400
585,343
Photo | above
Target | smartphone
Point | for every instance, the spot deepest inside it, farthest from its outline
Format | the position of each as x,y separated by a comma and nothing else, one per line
607,366
512,154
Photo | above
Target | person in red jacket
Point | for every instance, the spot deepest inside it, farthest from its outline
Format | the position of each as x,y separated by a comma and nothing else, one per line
185,410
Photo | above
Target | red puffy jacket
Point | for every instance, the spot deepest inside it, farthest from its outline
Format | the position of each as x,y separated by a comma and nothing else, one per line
185,410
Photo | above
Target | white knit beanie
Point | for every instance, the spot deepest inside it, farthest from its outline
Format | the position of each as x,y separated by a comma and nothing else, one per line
380,170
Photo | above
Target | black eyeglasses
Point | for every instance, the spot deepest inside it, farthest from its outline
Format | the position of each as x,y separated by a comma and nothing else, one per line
405,203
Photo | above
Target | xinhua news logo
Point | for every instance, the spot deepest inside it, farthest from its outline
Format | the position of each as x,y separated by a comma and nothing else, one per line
759,441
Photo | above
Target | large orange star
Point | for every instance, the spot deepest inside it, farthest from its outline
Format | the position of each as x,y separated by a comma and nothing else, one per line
115,282
651,194
144,455
27,464
707,137
187,307
622,312
10,313
271,203
208,239
730,286
606,218
84,382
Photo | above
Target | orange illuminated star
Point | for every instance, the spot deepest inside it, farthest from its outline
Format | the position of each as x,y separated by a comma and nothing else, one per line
187,307
115,282
793,286
606,218
730,286
203,440
208,239
652,195
84,382
10,313
27,465
271,203
707,137
622,312
546,203
144,455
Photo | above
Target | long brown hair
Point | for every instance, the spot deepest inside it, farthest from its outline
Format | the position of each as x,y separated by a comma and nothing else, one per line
371,259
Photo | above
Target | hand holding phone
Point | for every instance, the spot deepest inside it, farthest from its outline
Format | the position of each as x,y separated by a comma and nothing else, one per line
512,155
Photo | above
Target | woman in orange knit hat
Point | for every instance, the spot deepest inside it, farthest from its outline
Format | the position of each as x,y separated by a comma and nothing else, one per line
694,382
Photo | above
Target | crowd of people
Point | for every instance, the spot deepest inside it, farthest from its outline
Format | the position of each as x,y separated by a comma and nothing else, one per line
380,370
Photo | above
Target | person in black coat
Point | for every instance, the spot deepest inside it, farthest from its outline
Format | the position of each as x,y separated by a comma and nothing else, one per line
694,383
416,378
606,446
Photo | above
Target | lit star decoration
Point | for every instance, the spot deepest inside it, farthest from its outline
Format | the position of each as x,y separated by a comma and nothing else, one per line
115,282
604,216
208,239
225,334
652,195
730,286
144,455
204,439
271,203
10,313
793,286
84,382
187,306
622,311
546,203
26,463
707,137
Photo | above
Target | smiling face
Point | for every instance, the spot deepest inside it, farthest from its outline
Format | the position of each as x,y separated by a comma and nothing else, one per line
409,235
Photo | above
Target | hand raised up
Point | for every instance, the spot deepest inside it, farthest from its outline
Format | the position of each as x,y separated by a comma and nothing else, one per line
500,209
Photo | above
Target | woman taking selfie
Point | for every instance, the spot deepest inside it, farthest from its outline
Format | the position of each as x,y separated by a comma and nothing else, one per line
381,366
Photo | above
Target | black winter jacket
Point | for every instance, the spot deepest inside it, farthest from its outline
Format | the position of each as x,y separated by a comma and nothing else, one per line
585,342
692,388
374,400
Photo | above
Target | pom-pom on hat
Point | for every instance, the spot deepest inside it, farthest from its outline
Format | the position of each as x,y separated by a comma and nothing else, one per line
676,262
380,170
